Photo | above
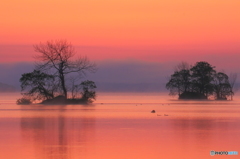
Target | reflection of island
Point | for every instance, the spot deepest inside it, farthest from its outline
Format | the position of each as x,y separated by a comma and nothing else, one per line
58,137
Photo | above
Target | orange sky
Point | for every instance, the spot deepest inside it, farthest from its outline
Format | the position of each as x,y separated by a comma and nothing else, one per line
139,24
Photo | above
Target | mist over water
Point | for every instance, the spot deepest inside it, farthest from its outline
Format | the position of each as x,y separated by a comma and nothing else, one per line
111,76
133,76
120,125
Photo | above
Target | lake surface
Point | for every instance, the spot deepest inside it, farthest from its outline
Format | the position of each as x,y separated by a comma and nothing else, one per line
120,126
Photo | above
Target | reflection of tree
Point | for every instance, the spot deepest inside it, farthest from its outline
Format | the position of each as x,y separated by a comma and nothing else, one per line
55,137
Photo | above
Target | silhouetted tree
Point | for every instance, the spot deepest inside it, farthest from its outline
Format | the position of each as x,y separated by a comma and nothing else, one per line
182,66
222,87
56,73
179,82
232,81
38,85
56,57
202,76
25,100
75,88
88,93
199,82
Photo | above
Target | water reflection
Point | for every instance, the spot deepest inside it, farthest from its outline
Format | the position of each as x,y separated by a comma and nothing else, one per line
57,137
119,131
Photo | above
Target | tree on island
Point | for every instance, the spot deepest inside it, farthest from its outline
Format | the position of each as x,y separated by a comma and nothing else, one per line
201,77
179,82
232,81
39,85
88,93
200,82
54,70
222,87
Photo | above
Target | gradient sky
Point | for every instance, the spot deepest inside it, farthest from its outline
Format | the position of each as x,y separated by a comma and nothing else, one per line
142,24
147,31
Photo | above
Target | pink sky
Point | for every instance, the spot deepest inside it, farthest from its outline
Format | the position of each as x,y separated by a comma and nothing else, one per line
222,56
151,30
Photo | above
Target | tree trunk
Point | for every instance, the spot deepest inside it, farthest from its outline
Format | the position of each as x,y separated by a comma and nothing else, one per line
62,79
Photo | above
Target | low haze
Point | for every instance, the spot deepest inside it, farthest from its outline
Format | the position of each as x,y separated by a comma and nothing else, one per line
118,75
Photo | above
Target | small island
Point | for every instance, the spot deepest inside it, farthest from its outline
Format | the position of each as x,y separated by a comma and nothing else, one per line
57,77
201,81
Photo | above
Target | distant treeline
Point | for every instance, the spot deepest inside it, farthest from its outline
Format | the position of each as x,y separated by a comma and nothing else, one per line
201,81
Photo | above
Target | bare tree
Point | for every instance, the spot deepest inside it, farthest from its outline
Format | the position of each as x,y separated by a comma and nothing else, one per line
232,81
57,57
182,66
221,86
179,82
74,87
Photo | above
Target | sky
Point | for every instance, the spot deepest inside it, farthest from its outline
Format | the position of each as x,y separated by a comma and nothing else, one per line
116,33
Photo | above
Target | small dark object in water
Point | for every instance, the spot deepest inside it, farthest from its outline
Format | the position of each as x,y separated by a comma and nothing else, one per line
165,115
153,111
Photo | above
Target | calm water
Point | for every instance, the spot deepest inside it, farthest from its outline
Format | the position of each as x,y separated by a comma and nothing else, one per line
120,126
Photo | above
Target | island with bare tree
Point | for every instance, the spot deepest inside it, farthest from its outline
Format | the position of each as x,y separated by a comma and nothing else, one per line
57,76
201,81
